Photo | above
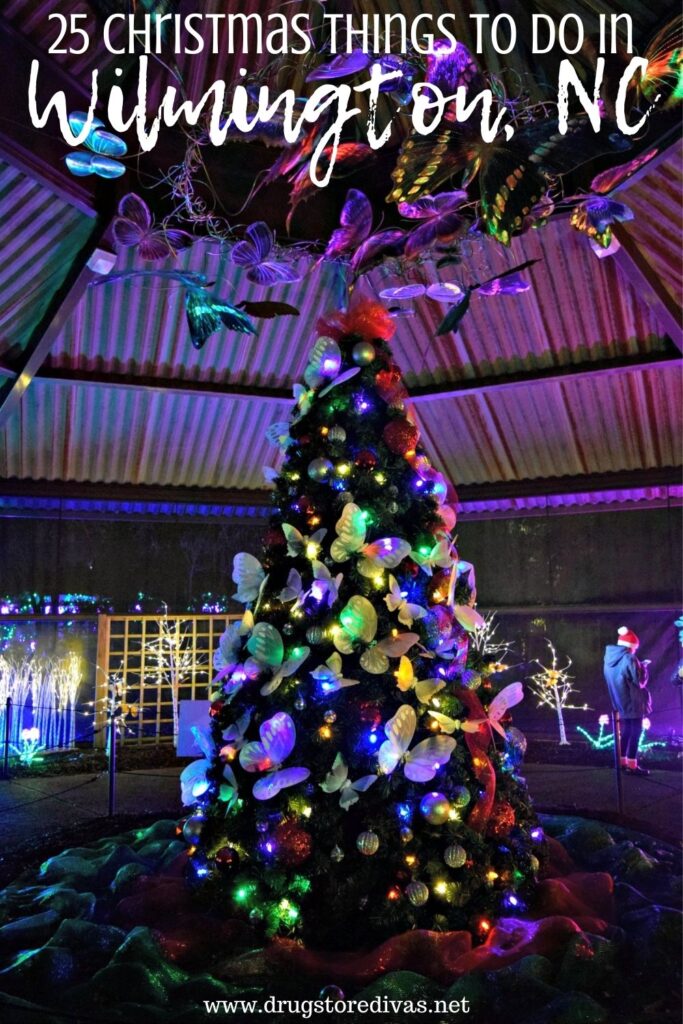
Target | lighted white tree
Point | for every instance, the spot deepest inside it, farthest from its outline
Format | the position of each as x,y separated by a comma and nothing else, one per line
553,687
170,660
485,641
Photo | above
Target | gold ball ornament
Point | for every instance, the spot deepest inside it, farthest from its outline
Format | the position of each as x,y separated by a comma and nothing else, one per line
368,843
363,353
455,855
435,808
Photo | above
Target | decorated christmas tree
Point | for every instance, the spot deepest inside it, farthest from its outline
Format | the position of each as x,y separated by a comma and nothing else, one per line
358,780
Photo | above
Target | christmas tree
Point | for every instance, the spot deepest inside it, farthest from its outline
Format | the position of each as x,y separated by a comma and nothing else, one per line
358,780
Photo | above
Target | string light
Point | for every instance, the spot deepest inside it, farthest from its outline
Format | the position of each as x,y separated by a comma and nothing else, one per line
324,732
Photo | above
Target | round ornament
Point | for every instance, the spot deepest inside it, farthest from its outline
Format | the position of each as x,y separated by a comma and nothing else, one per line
502,819
315,634
330,717
192,829
400,436
216,708
390,384
337,854
319,470
288,628
345,497
368,843
262,826
256,915
455,855
336,434
417,893
363,353
293,844
227,859
299,703
435,808
274,537
393,507
366,459
534,862
406,834
334,993
460,797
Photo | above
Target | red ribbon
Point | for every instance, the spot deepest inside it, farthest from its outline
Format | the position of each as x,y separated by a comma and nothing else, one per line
478,743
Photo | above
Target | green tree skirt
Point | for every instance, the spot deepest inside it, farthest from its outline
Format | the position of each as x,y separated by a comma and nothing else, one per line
62,957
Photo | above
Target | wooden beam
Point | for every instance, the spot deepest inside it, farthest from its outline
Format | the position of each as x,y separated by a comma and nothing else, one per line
39,153
642,275
70,292
666,358
72,490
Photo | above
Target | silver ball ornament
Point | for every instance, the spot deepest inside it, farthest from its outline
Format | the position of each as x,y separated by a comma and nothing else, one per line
330,717
333,993
368,843
417,893
315,635
337,854
192,829
345,497
319,469
406,834
288,628
363,352
299,703
455,855
336,434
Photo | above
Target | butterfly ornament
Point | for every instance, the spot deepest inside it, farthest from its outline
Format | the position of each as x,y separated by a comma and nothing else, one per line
134,228
234,737
278,737
351,528
329,676
396,601
440,556
358,623
325,586
424,689
194,778
255,253
250,577
424,760
298,544
268,652
497,709
337,781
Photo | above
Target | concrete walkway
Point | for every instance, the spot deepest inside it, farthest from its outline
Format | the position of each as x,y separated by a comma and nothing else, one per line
32,809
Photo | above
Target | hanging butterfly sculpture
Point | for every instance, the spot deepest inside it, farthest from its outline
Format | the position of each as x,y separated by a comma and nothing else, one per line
254,253
507,283
514,175
353,239
595,216
134,228
205,313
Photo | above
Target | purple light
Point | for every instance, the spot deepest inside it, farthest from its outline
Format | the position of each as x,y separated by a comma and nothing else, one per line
537,835
361,403
330,366
318,591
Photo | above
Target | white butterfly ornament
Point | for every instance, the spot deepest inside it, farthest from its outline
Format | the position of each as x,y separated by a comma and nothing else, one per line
268,652
329,676
351,528
250,577
396,601
278,736
337,781
425,759
298,544
424,689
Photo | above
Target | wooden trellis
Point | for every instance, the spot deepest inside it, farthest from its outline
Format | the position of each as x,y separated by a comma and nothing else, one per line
127,650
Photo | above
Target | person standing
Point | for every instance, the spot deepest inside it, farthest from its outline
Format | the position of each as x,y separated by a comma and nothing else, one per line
627,680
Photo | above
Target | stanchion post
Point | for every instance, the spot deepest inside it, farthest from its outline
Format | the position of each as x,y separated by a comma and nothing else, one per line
5,742
616,723
112,759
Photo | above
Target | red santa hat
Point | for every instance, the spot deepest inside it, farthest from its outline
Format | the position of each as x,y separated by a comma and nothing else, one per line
627,638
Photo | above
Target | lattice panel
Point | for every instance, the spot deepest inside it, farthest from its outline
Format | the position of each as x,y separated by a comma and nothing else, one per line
147,653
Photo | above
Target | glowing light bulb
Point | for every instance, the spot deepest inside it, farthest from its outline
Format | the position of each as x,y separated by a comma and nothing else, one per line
324,732
441,888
